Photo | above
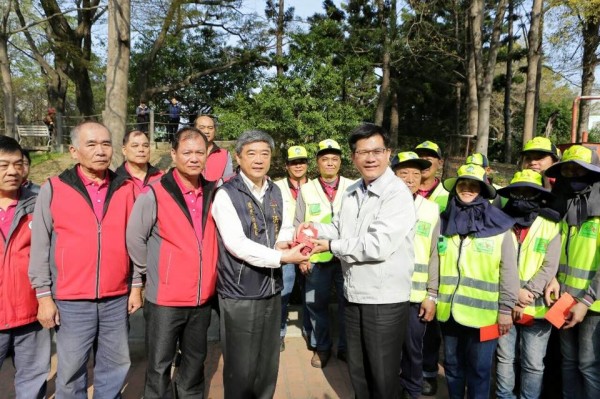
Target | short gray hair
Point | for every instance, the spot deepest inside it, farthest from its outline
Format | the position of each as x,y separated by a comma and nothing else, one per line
74,134
253,136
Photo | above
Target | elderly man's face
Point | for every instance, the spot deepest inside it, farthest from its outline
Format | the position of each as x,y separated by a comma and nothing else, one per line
255,161
137,149
94,148
410,175
206,125
190,157
11,171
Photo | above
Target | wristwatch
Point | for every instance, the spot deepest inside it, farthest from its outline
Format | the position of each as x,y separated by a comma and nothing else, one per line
432,298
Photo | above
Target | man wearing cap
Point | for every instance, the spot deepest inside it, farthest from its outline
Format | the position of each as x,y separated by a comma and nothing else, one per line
218,164
539,154
253,240
479,282
373,236
432,189
423,295
578,187
536,236
296,166
480,159
320,199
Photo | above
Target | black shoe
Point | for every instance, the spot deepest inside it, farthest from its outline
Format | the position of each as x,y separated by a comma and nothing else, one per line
341,355
429,386
282,345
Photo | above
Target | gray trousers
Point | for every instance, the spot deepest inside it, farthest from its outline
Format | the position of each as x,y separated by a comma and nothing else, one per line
250,345
31,346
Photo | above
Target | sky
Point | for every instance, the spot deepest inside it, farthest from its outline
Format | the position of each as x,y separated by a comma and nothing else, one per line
302,8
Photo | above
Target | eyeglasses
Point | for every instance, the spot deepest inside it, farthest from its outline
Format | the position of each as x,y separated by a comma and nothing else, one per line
202,127
365,153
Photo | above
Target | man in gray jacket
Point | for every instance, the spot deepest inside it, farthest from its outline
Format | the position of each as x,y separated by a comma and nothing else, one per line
373,237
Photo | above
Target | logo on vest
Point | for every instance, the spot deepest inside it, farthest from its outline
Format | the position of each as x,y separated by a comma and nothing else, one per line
484,246
589,230
314,209
423,228
541,245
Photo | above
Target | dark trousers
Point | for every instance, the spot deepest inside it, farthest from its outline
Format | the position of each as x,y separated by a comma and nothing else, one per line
250,345
164,326
411,377
431,349
375,335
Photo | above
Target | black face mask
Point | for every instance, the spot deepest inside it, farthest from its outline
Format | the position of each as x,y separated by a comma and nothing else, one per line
524,211
573,185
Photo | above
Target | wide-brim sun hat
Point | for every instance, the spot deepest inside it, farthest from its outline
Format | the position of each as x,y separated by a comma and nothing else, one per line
296,152
431,147
405,158
472,172
580,155
525,178
542,144
329,145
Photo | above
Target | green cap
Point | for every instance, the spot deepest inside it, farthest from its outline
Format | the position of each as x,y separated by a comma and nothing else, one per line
403,158
296,152
472,172
429,146
329,145
478,158
542,144
525,178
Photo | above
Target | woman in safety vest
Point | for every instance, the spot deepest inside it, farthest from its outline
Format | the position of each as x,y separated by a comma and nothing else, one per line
479,283
536,237
577,186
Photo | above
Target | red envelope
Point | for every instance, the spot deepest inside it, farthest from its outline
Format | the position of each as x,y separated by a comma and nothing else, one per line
304,238
525,320
557,313
488,333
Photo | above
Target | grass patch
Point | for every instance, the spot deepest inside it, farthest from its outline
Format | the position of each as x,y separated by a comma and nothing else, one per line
39,157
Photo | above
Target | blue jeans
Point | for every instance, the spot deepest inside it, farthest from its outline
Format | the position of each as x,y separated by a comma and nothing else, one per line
317,294
580,348
411,377
467,361
31,346
530,342
82,323
289,277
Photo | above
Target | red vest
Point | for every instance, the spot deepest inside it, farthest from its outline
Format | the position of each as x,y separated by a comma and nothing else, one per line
215,165
186,275
18,305
89,258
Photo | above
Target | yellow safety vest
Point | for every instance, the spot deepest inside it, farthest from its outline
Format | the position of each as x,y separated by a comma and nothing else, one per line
440,197
320,210
289,203
579,258
469,279
531,257
428,215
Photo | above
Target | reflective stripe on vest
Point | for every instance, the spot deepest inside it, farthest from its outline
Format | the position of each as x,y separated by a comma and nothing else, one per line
428,215
579,258
289,203
440,197
319,209
532,254
469,279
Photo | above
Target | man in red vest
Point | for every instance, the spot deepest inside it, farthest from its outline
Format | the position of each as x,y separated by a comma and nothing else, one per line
172,239
218,162
80,269
20,332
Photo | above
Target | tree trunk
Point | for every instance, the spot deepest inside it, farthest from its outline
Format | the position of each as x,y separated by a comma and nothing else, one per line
117,71
472,103
534,42
484,92
508,87
384,89
7,88
279,38
591,40
394,121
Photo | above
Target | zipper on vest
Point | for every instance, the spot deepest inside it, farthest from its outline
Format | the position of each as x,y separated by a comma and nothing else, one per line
99,259
460,247
240,274
268,245
200,280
